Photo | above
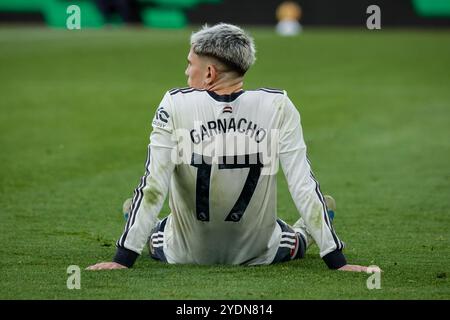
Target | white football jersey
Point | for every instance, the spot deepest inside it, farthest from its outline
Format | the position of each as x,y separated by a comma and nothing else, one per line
217,157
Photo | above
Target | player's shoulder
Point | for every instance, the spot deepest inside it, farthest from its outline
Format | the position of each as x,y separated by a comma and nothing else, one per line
270,95
267,90
184,96
183,91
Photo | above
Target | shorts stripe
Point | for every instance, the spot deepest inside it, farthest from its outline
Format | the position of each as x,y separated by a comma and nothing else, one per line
289,245
292,234
157,241
284,240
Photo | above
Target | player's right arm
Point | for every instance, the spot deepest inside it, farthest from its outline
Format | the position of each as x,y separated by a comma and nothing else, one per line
151,192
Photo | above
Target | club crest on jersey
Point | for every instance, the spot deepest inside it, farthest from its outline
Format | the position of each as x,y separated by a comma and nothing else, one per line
161,118
227,109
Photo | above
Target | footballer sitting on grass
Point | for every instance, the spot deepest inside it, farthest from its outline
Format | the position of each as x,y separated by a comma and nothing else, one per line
215,149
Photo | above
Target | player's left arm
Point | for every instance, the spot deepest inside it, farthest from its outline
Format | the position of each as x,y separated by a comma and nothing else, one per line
305,191
151,192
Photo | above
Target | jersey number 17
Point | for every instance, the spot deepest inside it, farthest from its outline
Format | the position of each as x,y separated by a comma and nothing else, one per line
251,161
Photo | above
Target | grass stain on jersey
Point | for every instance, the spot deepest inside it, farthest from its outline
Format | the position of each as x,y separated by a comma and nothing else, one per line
316,217
152,194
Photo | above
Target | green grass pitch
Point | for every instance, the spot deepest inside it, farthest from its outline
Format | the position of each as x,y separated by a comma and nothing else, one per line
76,110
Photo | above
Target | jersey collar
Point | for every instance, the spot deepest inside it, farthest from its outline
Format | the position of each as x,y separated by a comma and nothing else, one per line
225,97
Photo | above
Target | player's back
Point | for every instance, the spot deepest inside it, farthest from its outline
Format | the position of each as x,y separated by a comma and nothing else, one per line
223,189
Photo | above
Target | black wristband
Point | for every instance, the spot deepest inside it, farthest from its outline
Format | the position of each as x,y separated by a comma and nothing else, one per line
335,259
125,257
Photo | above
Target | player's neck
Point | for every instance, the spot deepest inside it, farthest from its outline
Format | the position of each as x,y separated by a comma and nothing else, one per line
226,86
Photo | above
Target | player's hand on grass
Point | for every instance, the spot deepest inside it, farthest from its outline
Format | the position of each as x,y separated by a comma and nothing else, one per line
106,266
356,268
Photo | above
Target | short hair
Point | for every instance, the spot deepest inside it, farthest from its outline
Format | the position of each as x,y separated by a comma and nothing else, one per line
227,43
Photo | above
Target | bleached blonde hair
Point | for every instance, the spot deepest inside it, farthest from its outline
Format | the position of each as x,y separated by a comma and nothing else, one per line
227,43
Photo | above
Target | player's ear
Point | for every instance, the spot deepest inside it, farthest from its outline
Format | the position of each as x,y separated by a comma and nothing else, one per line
211,74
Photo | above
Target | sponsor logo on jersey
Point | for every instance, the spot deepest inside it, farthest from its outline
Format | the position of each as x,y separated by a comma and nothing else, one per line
161,118
162,115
